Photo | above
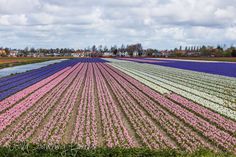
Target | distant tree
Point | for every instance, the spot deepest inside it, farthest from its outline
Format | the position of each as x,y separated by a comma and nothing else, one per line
219,48
57,50
150,52
61,51
100,48
122,48
105,49
204,51
191,49
32,50
114,50
130,50
134,48
198,49
7,50
25,52
94,49
176,53
186,48
227,53
233,54
139,49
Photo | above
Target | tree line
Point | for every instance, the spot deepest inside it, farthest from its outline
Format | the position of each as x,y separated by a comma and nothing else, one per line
130,50
36,51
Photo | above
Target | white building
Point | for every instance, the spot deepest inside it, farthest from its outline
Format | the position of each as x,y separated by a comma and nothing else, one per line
13,53
123,54
78,54
107,54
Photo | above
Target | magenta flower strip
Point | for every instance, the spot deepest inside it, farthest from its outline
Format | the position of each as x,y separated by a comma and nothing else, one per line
10,115
186,138
213,117
111,119
151,136
10,101
26,127
53,131
93,89
219,137
85,131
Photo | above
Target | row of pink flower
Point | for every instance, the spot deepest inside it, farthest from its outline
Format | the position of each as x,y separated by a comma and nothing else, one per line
70,99
184,136
213,117
114,130
144,127
53,130
218,136
31,121
27,126
54,96
7,117
91,122
85,130
10,101
219,120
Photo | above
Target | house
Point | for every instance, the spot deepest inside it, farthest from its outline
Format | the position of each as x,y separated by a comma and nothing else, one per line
193,53
138,54
107,54
78,54
157,54
75,54
135,53
57,54
13,53
35,54
2,52
67,54
166,53
123,54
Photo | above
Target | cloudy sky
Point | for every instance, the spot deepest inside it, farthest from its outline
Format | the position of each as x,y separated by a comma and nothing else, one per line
79,23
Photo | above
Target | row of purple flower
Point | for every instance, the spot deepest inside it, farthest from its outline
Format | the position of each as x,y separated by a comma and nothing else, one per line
218,68
12,84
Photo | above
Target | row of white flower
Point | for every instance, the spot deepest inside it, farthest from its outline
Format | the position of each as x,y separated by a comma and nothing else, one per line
191,77
220,83
217,80
209,79
208,91
144,81
216,77
146,74
199,81
212,93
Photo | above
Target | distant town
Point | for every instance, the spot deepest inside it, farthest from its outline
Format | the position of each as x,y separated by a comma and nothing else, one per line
133,50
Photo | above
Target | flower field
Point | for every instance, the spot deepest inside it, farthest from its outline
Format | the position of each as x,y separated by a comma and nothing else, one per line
115,103
211,67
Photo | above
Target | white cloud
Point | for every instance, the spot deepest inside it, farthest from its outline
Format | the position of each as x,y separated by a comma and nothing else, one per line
15,19
19,6
231,33
155,23
226,14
